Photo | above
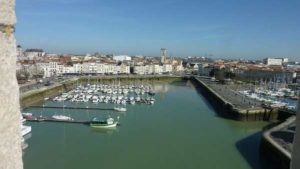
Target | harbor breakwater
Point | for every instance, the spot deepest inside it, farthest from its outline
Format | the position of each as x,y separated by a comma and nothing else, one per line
277,141
228,109
38,95
277,138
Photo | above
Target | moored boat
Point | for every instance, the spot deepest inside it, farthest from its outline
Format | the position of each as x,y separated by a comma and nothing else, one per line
27,114
106,123
25,130
122,109
62,117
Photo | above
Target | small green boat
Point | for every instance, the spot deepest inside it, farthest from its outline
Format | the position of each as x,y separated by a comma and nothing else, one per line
106,123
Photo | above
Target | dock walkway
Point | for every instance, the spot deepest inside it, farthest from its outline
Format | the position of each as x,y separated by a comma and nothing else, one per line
68,107
48,119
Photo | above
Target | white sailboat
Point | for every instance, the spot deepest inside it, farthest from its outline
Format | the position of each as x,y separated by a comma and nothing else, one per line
62,117
24,129
121,109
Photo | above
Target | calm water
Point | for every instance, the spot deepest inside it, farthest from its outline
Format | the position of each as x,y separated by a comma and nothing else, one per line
181,130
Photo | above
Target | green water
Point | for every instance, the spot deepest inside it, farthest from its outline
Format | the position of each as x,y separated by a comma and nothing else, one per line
181,130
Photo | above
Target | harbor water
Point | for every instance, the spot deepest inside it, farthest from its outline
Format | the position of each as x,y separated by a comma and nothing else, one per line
181,130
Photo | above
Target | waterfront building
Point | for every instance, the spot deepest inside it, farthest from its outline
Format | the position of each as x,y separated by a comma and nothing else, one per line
178,68
78,68
282,76
34,53
110,69
101,68
205,69
167,68
122,58
69,70
89,68
157,69
275,61
140,70
124,69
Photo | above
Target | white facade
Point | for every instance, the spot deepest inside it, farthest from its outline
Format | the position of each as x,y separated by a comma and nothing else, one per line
89,67
178,68
52,69
33,54
273,61
140,70
69,70
122,58
152,69
55,68
157,69
78,68
285,60
124,69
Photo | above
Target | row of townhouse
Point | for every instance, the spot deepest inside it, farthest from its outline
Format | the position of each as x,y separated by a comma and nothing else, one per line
152,69
282,76
56,68
255,72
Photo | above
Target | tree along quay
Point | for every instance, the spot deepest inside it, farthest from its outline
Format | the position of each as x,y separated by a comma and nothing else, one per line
37,96
232,105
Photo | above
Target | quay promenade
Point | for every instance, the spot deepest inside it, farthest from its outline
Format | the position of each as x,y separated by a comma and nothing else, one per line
231,94
233,104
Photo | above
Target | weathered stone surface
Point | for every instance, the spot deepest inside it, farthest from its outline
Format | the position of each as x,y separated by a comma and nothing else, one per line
10,133
7,12
295,163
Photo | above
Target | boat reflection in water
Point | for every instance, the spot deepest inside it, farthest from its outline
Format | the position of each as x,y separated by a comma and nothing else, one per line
104,130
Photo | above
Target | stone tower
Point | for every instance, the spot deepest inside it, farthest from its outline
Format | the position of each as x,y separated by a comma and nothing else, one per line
163,55
10,126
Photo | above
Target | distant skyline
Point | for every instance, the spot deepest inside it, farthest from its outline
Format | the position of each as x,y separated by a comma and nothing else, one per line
229,28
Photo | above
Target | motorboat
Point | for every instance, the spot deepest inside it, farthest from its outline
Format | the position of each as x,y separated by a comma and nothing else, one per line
106,123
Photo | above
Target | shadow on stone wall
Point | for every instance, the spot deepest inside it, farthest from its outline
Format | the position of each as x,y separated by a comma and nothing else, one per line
250,149
211,102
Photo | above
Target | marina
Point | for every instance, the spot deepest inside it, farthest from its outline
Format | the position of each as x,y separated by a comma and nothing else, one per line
114,94
149,133
65,107
282,97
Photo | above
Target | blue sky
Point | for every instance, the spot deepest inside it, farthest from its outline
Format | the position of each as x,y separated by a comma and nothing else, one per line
227,28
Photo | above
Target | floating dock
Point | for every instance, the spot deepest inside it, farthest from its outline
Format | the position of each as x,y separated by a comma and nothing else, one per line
67,107
47,119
